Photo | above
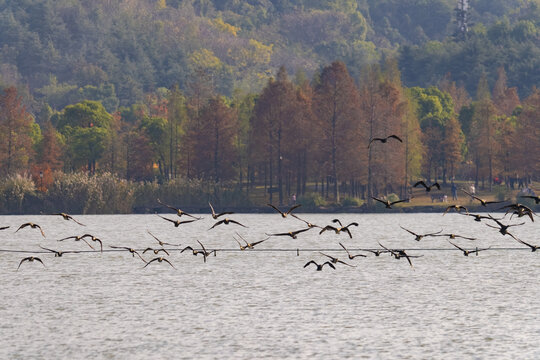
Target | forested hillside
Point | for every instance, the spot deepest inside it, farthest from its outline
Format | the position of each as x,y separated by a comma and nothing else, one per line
191,100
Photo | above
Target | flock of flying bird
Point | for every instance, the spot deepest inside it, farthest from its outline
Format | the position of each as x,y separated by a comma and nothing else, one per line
337,227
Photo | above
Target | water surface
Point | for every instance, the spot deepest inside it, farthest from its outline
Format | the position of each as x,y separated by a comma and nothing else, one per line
264,304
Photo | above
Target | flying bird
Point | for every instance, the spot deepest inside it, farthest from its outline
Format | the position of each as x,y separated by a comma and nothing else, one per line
309,225
503,229
457,208
248,244
335,260
320,267
419,237
177,223
428,188
79,238
131,250
156,251
293,234
215,216
56,253
455,236
398,254
478,217
33,226
30,259
159,259
161,243
94,239
389,204
468,252
226,221
284,214
482,201
339,229
178,211
68,217
519,210
384,140
203,252
351,257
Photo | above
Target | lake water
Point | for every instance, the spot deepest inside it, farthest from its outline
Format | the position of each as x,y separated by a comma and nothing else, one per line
264,304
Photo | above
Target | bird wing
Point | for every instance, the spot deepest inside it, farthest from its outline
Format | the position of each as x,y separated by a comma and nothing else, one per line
344,248
329,264
23,260
456,246
67,238
311,262
165,251
236,222
164,218
202,246
328,227
86,242
299,231
149,262
275,208
294,207
337,221
395,137
344,263
464,237
409,231
436,185
407,257
100,244
186,221
382,201
186,248
224,213
328,256
212,209
216,224
71,218
346,229
168,262
420,183
399,201
258,242
4,227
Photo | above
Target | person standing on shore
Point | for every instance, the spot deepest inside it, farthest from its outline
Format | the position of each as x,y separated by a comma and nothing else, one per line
454,191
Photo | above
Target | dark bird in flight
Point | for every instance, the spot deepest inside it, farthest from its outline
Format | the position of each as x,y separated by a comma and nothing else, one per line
376,252
226,221
178,211
482,201
159,259
131,250
215,216
535,198
419,237
33,226
468,252
455,236
68,217
284,214
79,238
309,225
398,254
203,252
320,267
335,260
478,217
94,239
503,229
351,257
389,204
177,223
56,253
519,210
339,229
384,140
4,227
457,208
248,244
293,234
428,188
30,259
533,247
156,251
161,243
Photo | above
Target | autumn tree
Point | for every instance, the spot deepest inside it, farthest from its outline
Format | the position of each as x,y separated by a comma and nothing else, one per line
16,127
336,108
49,153
505,99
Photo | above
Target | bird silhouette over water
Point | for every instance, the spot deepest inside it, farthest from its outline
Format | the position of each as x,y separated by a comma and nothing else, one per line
159,259
33,226
161,243
457,208
284,214
503,229
179,212
57,253
455,236
215,216
387,202
227,221
248,244
309,224
293,234
399,253
79,238
155,251
520,210
320,267
202,252
131,250
384,140
351,257
177,223
30,259
482,201
468,252
419,237
335,260
339,229
94,239
428,188
68,217
478,217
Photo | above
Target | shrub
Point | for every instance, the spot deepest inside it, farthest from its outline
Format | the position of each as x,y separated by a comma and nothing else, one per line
351,201
13,190
311,200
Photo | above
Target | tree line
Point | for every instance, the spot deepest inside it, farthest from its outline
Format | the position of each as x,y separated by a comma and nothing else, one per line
298,135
